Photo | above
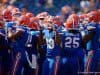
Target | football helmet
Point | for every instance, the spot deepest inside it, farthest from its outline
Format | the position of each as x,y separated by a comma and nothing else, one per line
93,16
16,12
24,20
42,15
72,22
7,15
30,15
48,22
34,23
57,20
82,17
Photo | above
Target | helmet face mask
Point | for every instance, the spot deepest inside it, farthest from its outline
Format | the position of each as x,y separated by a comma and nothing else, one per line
41,19
17,15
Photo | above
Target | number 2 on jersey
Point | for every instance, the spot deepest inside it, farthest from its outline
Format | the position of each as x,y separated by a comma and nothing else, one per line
72,42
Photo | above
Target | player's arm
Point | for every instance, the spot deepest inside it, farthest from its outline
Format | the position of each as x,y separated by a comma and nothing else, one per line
58,38
40,43
88,37
15,35
3,45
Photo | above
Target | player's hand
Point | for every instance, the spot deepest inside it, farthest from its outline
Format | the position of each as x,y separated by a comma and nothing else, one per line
91,27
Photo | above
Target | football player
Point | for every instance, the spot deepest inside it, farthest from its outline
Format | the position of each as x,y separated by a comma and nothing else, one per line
4,51
72,61
50,65
93,64
22,44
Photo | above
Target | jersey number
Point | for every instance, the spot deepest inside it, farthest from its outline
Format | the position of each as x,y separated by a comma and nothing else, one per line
72,42
50,43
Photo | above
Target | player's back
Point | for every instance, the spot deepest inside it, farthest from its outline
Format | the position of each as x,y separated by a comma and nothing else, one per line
71,43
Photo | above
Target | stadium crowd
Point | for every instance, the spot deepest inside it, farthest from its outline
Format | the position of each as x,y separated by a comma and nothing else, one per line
50,37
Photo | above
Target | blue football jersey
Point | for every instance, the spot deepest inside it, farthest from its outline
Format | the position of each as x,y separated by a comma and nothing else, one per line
52,49
2,32
71,43
18,45
3,42
95,41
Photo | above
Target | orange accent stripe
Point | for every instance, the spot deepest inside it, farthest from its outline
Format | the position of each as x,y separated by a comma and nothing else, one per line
89,65
56,67
15,66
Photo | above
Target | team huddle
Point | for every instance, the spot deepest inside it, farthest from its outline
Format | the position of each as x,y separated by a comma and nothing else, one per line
43,44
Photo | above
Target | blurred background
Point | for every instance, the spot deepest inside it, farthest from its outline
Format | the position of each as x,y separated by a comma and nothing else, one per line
54,7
